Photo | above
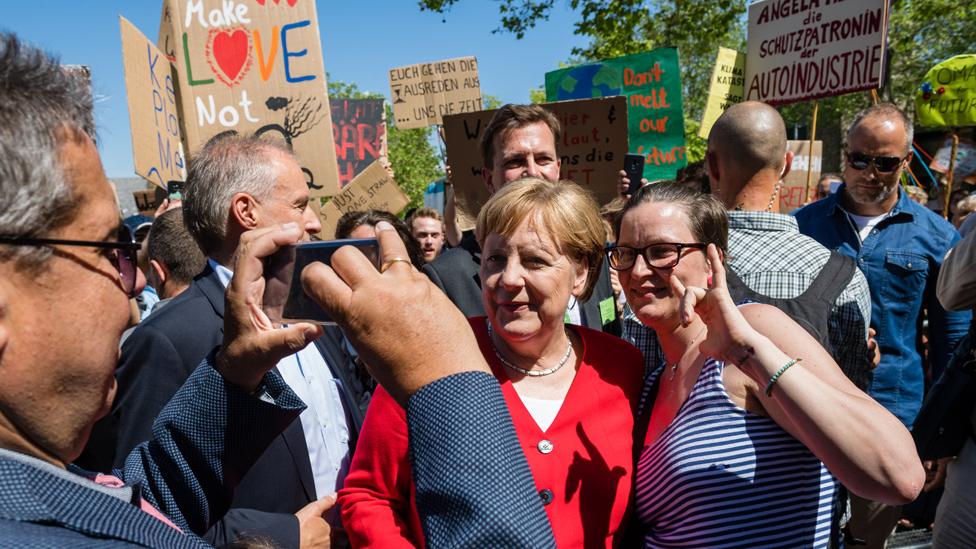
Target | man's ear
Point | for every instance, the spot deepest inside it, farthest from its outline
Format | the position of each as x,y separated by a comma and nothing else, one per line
486,177
160,272
712,168
787,166
243,210
5,289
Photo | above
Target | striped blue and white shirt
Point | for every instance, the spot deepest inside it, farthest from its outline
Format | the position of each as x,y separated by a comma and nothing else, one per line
721,476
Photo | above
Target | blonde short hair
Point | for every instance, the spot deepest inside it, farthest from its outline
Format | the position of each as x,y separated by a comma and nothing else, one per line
566,211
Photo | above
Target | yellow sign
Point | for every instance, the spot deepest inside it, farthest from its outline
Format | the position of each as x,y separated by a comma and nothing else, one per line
947,96
726,88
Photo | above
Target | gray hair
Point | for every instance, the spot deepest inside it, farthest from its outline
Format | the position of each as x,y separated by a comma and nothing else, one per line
884,110
224,167
41,106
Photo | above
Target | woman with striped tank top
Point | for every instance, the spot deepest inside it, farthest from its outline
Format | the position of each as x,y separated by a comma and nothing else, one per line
751,420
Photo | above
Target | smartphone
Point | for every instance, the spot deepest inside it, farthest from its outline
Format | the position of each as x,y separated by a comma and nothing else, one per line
175,190
285,300
634,166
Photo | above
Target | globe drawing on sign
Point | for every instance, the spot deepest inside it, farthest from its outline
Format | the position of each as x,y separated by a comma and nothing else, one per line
585,81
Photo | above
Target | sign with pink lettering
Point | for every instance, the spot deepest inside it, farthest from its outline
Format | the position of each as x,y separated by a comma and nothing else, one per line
800,50
253,66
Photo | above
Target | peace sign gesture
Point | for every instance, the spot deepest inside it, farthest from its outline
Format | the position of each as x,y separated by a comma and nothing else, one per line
728,330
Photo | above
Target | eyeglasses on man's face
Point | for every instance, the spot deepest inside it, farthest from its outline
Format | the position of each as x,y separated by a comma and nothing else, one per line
663,255
124,258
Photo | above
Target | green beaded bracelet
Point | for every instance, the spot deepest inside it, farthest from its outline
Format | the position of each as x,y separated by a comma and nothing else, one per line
775,378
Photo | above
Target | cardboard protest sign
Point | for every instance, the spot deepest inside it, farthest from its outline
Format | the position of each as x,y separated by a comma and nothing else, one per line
726,88
359,132
792,193
801,50
965,158
651,81
373,189
591,150
424,93
253,66
145,201
947,96
157,145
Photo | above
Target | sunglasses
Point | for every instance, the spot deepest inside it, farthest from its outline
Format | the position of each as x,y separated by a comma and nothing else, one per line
124,258
664,255
883,164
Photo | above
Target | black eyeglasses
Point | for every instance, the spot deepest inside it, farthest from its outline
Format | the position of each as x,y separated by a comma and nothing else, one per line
884,164
663,255
124,258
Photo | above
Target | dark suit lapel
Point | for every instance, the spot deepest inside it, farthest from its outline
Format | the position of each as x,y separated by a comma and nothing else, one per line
209,284
43,498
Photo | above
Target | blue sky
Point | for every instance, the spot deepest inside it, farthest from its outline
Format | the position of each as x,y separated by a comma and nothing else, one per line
360,41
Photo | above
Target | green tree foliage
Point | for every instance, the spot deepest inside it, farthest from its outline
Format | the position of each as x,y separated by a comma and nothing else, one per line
415,160
624,27
921,34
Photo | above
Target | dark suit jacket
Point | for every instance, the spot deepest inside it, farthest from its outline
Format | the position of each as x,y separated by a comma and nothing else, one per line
202,443
159,356
456,272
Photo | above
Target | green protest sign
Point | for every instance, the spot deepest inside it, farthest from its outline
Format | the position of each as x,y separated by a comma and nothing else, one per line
651,81
947,96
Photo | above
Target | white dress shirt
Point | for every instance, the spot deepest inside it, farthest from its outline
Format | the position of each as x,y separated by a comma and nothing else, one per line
324,420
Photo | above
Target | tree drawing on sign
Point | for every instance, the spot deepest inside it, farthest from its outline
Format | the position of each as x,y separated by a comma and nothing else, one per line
301,114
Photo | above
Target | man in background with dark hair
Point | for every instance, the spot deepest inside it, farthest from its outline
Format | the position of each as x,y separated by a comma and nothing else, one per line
174,257
519,141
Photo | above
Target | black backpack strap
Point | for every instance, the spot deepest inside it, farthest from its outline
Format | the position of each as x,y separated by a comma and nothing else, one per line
833,278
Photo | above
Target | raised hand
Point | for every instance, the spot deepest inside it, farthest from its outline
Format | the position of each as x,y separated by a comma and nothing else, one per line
252,345
406,330
728,330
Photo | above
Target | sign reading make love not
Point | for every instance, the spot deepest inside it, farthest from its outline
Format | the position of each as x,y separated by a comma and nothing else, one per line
806,49
253,66
157,148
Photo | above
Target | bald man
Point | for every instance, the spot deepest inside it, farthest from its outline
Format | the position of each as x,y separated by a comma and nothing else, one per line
769,260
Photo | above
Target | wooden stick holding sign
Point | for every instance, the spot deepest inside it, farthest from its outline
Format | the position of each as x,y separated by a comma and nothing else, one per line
952,168
813,137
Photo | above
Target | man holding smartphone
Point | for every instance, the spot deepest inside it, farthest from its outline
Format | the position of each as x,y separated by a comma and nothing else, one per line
234,185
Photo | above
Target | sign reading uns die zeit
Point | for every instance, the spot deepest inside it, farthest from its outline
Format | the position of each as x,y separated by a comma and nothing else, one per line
157,147
651,81
425,93
253,66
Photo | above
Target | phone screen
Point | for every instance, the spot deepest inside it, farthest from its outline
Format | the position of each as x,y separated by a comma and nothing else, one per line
284,298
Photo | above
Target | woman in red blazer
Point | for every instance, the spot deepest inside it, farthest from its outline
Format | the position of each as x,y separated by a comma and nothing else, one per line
571,391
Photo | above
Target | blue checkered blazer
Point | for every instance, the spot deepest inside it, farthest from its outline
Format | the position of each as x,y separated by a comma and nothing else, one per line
203,442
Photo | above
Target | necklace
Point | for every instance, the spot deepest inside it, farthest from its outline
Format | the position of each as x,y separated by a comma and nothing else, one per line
674,365
772,199
523,371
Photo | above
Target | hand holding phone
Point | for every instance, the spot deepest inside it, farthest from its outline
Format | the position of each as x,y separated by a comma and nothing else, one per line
285,300
634,166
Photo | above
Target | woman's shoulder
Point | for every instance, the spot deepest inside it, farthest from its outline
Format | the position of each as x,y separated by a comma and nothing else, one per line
606,351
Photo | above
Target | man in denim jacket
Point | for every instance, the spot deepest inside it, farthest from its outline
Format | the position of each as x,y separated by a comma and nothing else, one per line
899,246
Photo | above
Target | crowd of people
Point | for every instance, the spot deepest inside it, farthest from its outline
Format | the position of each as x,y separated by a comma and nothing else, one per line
687,366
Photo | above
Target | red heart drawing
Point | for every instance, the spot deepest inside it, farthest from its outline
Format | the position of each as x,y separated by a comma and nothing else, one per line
229,54
290,2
